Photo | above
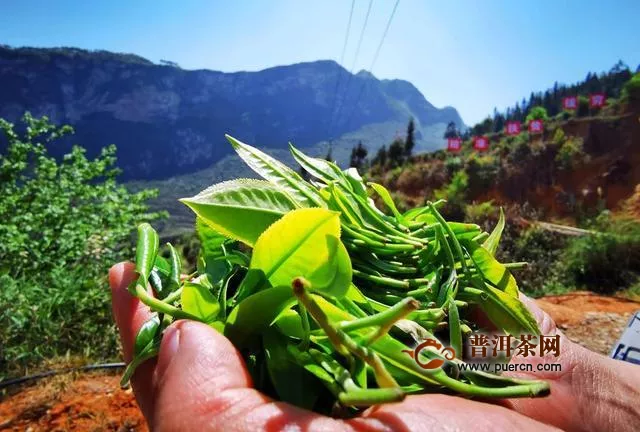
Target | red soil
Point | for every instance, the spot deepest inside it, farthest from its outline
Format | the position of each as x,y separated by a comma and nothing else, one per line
95,402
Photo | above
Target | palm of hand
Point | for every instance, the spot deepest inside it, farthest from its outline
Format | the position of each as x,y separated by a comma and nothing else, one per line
199,382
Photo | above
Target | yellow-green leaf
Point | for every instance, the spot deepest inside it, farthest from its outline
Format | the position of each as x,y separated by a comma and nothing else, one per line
491,243
305,242
494,272
387,199
508,312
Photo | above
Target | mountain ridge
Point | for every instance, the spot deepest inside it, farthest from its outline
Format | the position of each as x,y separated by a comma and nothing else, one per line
170,121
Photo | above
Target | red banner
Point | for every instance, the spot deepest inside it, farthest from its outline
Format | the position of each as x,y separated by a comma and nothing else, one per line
481,143
570,103
512,128
536,126
454,144
597,100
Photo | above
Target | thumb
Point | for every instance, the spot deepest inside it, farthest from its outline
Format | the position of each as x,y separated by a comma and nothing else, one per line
201,383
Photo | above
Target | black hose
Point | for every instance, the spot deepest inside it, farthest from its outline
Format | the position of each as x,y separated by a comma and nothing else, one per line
15,381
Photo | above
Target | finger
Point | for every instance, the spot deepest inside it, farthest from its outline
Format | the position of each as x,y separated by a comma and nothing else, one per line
545,322
201,383
441,412
129,314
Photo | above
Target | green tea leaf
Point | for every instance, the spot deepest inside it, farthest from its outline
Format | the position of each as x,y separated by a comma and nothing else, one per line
176,269
211,241
494,272
384,194
292,382
146,250
198,300
491,244
278,173
146,334
321,169
507,312
356,182
241,209
257,312
305,242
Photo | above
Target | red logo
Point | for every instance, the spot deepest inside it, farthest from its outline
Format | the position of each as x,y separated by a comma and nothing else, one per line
481,143
597,100
454,144
536,126
512,128
448,353
570,103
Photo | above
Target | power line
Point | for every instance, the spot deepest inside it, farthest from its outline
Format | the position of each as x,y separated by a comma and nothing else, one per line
375,59
344,50
355,60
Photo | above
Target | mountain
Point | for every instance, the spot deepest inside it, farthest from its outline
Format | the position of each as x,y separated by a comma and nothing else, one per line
167,121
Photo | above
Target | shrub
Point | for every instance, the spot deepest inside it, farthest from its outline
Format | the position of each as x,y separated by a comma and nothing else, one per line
604,262
541,249
453,164
482,172
537,113
570,153
558,137
631,90
583,106
455,194
480,212
63,224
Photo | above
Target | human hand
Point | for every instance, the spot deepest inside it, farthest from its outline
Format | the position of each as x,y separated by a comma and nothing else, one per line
199,382
589,392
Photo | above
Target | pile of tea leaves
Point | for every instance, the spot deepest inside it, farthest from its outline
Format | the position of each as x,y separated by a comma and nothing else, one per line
335,304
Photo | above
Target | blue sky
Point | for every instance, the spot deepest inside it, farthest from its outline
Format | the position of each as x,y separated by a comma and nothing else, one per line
473,55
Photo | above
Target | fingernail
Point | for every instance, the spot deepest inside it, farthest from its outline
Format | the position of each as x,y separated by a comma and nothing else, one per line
168,348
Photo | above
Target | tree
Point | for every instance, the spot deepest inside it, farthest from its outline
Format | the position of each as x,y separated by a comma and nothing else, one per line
451,131
64,223
329,156
537,113
170,63
583,106
358,156
396,152
409,142
380,158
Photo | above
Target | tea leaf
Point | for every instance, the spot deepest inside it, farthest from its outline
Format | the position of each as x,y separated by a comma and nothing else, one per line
305,242
257,312
321,169
384,194
491,244
278,173
507,312
146,334
146,251
199,301
494,272
292,382
241,209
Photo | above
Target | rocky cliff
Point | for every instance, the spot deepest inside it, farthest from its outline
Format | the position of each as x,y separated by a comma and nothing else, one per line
168,121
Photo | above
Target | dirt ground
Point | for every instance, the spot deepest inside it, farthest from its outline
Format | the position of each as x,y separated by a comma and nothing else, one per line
95,402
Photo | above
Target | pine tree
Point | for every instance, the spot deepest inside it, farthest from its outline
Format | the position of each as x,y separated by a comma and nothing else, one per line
451,131
381,157
358,156
396,152
409,142
329,156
